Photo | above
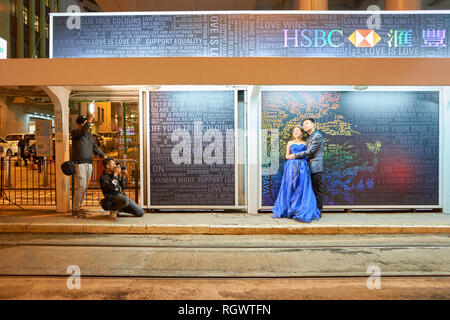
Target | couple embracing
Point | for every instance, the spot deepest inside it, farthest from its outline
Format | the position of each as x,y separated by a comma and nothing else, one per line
300,195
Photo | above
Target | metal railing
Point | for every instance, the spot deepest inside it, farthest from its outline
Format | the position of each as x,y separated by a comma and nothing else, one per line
34,184
30,182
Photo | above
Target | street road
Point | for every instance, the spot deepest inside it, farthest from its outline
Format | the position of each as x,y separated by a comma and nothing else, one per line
225,267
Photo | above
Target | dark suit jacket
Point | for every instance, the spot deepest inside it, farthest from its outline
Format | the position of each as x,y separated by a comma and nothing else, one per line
314,152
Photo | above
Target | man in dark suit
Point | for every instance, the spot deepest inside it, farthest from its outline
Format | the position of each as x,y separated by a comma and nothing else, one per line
314,152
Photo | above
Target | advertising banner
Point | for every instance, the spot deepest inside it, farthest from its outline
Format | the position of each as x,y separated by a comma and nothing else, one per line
192,145
380,147
266,34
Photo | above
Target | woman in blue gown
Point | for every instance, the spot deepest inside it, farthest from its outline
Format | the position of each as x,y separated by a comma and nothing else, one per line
296,197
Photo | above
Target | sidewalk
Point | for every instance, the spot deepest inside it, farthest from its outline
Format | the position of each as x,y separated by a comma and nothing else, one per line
47,221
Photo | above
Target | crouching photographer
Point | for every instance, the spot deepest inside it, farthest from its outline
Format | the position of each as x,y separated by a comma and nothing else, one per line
112,182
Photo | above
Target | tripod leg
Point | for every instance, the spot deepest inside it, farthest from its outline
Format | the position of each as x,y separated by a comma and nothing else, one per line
4,196
2,190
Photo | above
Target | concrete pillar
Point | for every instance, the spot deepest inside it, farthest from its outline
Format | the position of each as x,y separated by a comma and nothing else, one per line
42,36
31,24
20,29
253,153
60,100
311,5
403,5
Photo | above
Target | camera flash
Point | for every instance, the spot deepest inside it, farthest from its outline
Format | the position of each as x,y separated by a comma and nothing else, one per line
92,107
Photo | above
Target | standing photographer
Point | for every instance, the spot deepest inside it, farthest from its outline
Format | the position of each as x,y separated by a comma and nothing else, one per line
112,182
83,149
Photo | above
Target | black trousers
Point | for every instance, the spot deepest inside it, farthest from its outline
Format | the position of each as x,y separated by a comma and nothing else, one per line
22,155
317,185
121,203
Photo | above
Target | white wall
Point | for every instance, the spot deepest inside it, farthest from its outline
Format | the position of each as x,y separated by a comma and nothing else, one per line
14,117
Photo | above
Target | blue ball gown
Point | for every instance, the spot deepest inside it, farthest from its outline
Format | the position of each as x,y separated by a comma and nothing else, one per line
296,197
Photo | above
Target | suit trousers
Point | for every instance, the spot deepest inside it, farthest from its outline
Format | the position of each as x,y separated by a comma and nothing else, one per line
317,185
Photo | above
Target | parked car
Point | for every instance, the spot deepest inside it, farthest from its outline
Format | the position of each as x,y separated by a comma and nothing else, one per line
110,140
14,138
31,138
6,148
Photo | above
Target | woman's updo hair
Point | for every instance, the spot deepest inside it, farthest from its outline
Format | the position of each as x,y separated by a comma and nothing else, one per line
303,136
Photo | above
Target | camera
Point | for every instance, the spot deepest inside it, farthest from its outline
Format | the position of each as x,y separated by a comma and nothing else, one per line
121,166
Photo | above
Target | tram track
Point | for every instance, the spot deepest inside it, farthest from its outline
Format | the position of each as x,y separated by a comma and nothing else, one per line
158,288
205,256
224,267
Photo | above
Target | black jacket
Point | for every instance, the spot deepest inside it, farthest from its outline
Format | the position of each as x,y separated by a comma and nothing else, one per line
83,144
111,184
22,145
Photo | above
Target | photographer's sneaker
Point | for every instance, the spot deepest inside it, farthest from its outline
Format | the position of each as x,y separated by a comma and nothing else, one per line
113,214
79,214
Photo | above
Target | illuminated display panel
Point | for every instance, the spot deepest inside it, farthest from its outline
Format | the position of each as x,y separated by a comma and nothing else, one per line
244,34
192,159
380,147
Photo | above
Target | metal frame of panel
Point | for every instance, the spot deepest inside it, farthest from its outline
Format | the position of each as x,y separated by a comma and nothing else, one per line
350,88
145,132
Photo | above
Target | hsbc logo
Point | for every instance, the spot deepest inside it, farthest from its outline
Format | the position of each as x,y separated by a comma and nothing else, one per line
318,38
364,38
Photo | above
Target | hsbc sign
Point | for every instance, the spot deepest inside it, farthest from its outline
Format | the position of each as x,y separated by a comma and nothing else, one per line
335,38
312,38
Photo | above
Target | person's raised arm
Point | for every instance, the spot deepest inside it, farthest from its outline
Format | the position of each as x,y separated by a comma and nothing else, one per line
78,133
84,128
97,150
87,124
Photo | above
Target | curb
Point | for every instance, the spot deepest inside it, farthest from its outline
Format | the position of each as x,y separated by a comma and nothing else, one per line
217,229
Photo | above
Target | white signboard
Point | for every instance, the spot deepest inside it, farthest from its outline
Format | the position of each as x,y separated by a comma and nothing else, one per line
44,138
3,49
